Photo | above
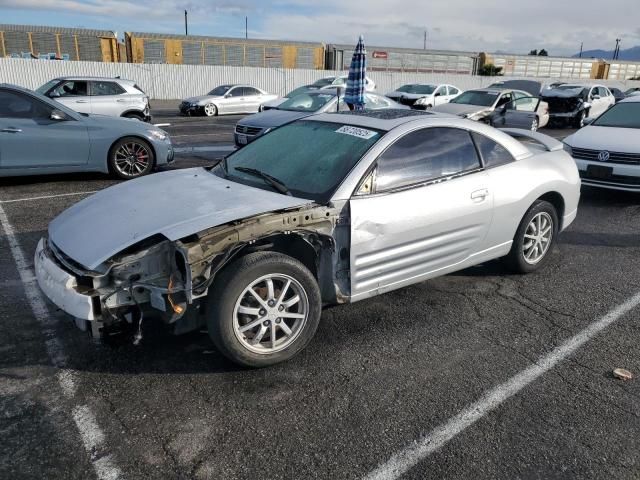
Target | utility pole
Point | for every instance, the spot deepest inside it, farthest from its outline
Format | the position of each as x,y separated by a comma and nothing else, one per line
425,39
246,27
581,44
616,51
186,24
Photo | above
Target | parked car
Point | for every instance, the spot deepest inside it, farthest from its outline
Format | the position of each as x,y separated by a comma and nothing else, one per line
300,106
499,107
333,208
607,150
227,99
632,91
333,81
277,101
115,97
617,94
423,96
570,104
39,136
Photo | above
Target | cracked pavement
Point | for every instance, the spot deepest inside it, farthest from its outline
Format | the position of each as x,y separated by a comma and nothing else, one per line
378,375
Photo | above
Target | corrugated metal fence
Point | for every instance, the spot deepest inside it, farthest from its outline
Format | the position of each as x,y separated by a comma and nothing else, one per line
165,82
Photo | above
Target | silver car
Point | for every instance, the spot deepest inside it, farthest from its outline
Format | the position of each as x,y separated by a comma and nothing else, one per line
115,97
607,150
41,136
227,99
330,209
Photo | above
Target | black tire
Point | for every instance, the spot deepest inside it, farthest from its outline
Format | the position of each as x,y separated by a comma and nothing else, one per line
228,289
137,116
515,260
579,120
535,124
115,158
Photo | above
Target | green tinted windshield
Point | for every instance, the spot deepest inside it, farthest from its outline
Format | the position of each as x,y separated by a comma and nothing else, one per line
307,102
417,89
476,97
622,115
311,158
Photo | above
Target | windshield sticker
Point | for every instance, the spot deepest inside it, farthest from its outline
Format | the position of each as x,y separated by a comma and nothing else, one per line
357,132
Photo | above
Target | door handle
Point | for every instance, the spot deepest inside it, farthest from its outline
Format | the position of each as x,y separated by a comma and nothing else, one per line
480,194
121,100
11,130
82,101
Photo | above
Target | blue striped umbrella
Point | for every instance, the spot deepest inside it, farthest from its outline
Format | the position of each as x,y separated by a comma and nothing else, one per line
354,93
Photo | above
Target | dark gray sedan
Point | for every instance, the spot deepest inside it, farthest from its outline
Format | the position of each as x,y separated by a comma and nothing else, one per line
302,105
40,136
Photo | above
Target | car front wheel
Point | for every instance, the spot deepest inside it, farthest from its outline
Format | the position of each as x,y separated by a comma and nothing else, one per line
131,157
534,238
263,309
210,110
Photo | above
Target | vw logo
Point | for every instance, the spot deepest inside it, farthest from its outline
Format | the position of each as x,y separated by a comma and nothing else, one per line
604,156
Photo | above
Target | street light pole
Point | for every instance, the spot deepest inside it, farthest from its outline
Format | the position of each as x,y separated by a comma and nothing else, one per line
186,24
246,27
581,44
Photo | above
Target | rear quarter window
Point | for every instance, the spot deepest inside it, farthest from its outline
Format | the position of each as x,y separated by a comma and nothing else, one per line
493,154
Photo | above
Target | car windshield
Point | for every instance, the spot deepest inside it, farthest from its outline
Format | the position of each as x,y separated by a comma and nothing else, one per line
310,158
323,82
297,91
307,102
631,90
621,115
47,86
476,97
220,91
417,89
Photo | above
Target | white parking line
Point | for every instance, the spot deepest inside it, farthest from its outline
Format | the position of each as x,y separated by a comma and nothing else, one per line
45,197
83,417
402,462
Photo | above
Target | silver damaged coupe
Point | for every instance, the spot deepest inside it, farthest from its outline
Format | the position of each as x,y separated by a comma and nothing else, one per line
329,209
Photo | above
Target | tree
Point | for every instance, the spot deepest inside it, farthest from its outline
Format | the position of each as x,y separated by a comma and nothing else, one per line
490,70
533,52
543,53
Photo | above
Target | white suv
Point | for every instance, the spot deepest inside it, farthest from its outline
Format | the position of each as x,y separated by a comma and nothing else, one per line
114,97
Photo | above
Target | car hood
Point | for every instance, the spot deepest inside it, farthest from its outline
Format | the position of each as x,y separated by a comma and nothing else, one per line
459,108
203,98
174,204
592,137
410,96
272,118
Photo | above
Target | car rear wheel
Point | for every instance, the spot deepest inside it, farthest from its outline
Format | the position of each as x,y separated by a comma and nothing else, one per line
137,116
263,309
131,157
579,122
534,238
210,110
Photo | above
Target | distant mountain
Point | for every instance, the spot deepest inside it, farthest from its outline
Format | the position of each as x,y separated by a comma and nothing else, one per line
632,54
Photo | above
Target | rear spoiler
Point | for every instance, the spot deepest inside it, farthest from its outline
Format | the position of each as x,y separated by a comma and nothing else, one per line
550,143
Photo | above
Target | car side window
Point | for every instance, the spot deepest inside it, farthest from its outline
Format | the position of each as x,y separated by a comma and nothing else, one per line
249,91
453,90
73,88
17,105
234,92
504,99
441,91
425,155
106,88
493,154
604,92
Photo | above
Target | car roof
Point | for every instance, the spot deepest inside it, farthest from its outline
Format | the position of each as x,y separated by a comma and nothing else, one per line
81,77
384,119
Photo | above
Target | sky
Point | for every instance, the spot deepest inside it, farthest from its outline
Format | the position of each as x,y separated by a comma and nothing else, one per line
514,26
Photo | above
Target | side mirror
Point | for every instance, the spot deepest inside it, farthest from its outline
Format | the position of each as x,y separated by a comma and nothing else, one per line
54,95
227,95
58,116
437,94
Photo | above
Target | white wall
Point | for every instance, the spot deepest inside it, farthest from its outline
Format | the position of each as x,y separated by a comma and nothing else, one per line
166,82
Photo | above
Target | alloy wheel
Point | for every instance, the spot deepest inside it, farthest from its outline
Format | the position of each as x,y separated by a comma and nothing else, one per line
132,159
270,313
210,109
537,238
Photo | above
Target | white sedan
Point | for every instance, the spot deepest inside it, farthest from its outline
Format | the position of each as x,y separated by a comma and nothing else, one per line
607,150
423,96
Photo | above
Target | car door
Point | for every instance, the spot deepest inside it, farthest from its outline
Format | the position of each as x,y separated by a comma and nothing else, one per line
108,98
598,104
30,138
518,113
232,102
251,100
430,208
74,94
440,96
452,92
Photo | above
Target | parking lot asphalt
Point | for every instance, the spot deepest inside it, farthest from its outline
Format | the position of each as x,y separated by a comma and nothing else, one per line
379,375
